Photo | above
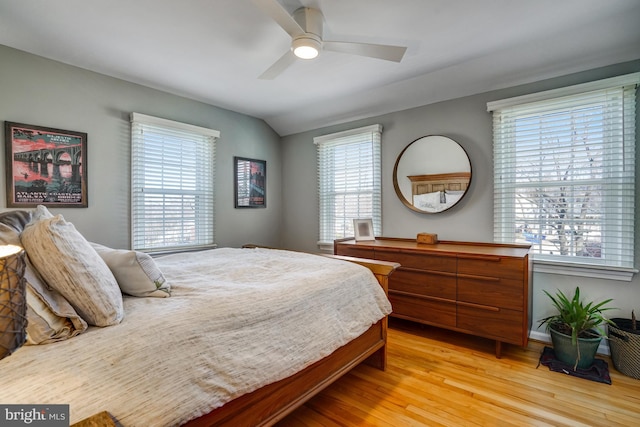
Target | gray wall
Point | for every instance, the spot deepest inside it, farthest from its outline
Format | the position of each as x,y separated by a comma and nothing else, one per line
37,91
467,121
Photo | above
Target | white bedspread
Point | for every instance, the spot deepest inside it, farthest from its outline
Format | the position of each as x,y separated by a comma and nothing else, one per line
237,319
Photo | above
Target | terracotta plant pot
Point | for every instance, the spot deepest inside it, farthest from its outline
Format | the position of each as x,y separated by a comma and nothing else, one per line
566,352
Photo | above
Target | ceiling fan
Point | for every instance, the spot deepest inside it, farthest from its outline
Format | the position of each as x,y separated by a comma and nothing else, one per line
305,29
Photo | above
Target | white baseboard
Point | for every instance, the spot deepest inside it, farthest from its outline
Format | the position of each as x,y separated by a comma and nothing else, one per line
540,336
546,338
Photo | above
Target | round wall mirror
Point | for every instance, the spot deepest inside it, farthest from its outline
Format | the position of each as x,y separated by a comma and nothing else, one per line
432,174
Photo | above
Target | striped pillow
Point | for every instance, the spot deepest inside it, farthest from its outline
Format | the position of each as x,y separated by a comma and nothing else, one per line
50,318
68,263
136,272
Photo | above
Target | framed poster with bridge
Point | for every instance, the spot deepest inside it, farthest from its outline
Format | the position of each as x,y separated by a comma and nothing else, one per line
45,166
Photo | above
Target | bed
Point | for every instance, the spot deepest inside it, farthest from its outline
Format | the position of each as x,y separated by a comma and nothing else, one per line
438,192
246,336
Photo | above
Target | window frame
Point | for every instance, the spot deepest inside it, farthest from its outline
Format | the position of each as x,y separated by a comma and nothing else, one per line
201,183
573,266
326,144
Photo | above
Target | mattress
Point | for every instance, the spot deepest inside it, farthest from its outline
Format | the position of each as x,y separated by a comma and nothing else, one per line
238,319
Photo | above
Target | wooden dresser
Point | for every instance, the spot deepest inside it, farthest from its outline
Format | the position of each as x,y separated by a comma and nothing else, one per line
482,289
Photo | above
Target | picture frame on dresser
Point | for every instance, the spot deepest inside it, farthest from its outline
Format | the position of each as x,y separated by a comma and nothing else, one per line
363,229
45,166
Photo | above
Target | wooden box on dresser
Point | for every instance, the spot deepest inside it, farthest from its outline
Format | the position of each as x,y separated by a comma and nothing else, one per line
482,289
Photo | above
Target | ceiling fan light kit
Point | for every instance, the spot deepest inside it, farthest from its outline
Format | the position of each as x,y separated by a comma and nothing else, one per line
305,27
306,47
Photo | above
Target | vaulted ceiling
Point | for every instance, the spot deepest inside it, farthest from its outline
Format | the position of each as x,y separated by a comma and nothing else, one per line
215,50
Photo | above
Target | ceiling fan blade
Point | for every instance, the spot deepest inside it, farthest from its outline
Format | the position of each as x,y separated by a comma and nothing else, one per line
379,51
281,16
279,66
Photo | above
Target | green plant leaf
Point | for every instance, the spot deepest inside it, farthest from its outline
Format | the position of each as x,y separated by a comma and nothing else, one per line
580,318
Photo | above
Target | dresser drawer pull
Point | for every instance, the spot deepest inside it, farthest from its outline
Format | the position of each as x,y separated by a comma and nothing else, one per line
482,278
478,306
489,258
426,297
435,272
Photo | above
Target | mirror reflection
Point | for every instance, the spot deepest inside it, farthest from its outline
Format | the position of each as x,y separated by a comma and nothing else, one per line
432,174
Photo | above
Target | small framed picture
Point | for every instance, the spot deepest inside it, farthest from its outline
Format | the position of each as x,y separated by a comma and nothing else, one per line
363,229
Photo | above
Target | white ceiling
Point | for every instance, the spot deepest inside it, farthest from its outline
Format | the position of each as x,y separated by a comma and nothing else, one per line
214,50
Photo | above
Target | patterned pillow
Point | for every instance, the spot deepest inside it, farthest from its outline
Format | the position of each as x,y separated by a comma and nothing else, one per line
136,272
68,264
50,317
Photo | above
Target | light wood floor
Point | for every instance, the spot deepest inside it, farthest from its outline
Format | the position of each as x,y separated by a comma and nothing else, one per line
440,378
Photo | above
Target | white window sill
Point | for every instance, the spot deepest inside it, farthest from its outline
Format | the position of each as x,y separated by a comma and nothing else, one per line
325,247
570,269
169,251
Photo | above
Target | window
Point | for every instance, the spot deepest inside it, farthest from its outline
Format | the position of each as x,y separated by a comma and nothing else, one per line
564,164
172,175
349,182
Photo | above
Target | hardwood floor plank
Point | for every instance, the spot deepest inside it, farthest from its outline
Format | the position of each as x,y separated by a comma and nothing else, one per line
440,378
384,411
309,418
464,403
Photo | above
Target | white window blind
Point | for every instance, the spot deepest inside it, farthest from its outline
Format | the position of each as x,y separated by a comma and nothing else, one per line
349,181
564,173
172,181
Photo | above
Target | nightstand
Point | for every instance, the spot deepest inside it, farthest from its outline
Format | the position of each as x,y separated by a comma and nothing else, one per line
101,419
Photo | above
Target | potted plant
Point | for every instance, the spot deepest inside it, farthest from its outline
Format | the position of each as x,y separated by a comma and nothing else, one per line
576,328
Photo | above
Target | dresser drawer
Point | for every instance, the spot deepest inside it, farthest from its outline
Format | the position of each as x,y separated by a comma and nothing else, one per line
498,324
491,265
355,251
491,291
439,313
419,260
436,284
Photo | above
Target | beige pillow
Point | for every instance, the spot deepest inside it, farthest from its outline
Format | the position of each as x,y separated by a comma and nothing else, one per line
68,264
50,317
136,272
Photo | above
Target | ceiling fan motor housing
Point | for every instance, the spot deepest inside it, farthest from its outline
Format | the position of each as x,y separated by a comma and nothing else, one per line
311,21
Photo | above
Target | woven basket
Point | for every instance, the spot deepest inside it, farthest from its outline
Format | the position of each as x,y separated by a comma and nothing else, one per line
624,343
13,304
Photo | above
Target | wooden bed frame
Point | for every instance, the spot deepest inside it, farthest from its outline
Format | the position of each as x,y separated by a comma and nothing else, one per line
269,404
456,181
